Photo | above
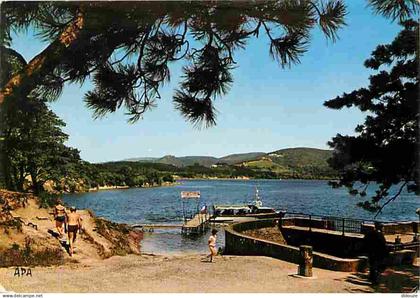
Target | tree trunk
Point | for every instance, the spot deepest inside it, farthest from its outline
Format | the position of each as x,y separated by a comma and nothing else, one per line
6,172
13,177
21,179
44,63
36,187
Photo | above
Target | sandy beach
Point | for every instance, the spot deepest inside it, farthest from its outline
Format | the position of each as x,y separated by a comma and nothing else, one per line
179,273
187,273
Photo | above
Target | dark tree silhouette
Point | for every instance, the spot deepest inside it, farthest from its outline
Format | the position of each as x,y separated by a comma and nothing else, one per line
128,47
31,137
395,9
385,149
33,146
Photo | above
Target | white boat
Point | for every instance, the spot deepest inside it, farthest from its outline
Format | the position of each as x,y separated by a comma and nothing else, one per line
237,213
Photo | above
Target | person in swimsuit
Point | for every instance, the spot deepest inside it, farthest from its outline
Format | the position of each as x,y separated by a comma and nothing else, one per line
60,218
212,245
74,224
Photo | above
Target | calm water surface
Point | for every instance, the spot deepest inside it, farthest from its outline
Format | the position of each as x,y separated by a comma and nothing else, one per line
163,205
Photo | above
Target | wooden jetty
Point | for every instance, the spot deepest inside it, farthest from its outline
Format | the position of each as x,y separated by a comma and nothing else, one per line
151,227
197,225
195,221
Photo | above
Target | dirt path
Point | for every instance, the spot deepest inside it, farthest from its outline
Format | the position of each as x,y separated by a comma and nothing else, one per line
86,251
91,245
179,274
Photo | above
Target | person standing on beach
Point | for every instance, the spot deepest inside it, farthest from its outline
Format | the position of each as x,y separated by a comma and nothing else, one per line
60,218
375,246
203,209
212,245
74,224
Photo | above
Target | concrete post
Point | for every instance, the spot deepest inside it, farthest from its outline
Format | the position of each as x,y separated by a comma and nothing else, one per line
310,223
306,260
281,215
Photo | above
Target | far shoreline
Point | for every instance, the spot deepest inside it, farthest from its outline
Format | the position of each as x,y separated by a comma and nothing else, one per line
124,187
179,182
260,179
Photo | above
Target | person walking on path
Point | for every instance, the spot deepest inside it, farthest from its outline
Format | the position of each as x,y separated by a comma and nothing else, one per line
60,218
74,224
375,246
212,245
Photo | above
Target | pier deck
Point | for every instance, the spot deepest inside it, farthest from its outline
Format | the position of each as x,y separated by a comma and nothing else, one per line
148,226
198,224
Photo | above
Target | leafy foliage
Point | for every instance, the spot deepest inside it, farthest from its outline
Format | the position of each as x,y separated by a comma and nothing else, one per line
33,145
331,18
385,147
130,174
396,9
295,163
129,47
32,140
47,200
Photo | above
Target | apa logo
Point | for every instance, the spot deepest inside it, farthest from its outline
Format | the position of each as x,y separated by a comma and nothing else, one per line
20,272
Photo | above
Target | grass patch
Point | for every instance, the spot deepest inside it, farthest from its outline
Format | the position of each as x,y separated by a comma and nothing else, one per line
18,255
118,234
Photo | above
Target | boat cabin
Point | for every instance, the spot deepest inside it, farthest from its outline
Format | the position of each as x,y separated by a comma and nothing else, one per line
240,210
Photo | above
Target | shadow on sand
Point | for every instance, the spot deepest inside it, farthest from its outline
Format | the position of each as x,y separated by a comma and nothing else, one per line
396,279
63,243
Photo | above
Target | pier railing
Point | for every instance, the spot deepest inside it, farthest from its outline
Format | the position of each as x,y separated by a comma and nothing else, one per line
339,224
408,230
332,223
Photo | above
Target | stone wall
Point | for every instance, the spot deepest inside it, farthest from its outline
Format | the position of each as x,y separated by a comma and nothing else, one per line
329,242
361,226
401,227
296,232
239,244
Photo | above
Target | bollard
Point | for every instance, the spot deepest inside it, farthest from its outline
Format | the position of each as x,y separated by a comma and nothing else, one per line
280,222
397,243
305,262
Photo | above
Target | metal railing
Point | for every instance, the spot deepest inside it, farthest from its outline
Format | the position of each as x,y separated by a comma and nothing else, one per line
332,223
345,225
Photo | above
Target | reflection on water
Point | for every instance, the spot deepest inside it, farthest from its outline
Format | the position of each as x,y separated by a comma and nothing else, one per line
170,241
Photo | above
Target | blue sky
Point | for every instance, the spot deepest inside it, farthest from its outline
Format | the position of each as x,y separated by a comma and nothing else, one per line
268,108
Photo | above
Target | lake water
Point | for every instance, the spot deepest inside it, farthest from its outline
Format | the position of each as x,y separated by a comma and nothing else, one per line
163,205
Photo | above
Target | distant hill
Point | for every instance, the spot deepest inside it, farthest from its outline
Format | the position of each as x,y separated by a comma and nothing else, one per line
148,159
300,157
179,162
241,157
206,161
170,160
294,162
291,163
285,162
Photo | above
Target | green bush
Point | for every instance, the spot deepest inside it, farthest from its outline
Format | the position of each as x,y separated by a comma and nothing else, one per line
47,200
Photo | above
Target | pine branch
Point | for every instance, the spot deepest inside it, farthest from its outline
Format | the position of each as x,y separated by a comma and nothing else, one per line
391,199
44,62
